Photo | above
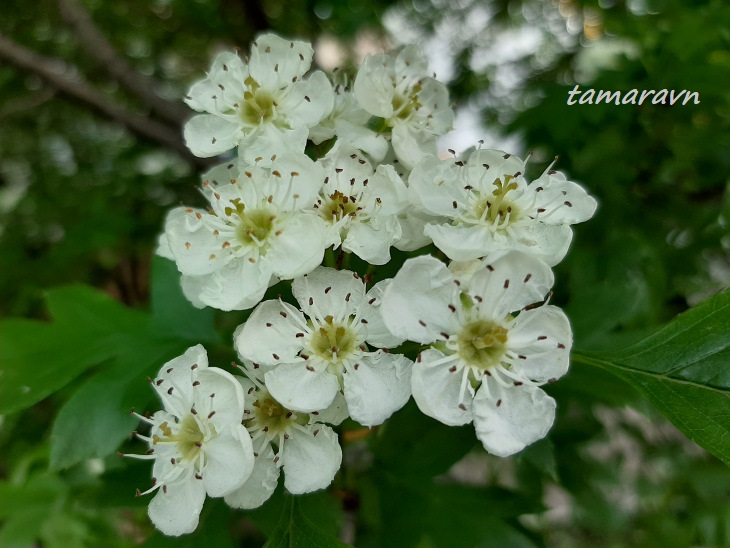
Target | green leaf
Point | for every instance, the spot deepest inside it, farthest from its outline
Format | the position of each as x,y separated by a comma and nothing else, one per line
541,456
27,507
172,313
39,358
414,445
440,514
296,530
96,419
683,370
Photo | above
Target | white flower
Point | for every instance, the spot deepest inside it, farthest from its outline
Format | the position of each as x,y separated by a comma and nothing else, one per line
256,231
317,355
489,350
348,121
263,104
414,106
493,209
307,450
360,204
198,443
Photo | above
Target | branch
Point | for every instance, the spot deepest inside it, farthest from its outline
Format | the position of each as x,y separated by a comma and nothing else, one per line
101,49
68,82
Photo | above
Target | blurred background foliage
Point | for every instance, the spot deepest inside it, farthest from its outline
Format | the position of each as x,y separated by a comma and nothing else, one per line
91,157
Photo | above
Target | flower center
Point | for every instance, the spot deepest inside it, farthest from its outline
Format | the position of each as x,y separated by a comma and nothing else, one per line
189,437
404,106
482,344
338,206
495,208
272,417
258,104
333,342
255,226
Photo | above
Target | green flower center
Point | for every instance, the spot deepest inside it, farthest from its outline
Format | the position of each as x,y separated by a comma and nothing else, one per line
482,344
333,341
189,437
270,416
338,206
258,104
495,208
404,106
255,226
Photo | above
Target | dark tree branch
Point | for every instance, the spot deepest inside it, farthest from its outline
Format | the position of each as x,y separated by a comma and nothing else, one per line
101,49
72,85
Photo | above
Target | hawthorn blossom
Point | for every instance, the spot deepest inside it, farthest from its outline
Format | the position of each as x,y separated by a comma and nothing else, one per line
492,208
348,121
260,104
197,443
489,349
315,353
300,444
413,106
360,204
258,230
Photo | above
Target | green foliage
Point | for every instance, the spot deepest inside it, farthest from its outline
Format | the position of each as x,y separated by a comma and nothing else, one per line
82,199
295,529
682,370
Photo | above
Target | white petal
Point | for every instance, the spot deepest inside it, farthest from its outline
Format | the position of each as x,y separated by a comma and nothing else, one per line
543,336
436,185
565,201
371,241
377,386
547,242
176,510
257,146
196,249
209,135
163,247
371,143
378,334
509,419
437,389
217,390
464,243
192,287
300,389
229,461
336,293
412,223
220,175
308,101
417,305
228,71
334,414
411,63
387,187
178,374
260,485
311,459
299,248
298,191
412,144
271,331
275,62
497,163
238,286
435,114
509,284
374,87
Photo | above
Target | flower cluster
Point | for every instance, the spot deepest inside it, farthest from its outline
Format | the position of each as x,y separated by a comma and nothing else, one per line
324,171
